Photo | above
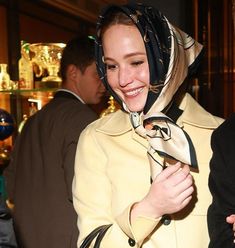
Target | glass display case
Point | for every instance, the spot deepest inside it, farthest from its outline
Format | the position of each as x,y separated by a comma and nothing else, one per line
21,104
38,78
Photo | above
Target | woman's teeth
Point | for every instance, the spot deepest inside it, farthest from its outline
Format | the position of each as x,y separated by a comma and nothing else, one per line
133,92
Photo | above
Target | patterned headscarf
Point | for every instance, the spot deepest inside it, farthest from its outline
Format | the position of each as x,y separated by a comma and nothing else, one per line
172,56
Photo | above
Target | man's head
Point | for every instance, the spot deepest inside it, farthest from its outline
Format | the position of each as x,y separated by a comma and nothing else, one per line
78,70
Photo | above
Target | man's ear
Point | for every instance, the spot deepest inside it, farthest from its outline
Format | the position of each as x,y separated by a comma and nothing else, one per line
73,72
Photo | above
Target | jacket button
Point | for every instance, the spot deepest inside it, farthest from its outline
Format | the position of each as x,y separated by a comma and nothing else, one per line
131,242
166,219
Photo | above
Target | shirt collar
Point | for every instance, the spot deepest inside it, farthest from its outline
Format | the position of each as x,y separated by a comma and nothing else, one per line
71,92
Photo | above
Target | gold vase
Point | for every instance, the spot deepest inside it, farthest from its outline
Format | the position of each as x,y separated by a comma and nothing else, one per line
47,56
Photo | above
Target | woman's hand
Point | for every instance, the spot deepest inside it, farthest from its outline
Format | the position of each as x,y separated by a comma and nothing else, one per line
170,192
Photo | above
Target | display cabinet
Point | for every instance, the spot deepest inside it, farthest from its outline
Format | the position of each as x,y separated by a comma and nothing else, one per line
21,104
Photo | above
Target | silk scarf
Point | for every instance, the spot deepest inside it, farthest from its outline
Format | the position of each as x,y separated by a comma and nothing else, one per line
172,56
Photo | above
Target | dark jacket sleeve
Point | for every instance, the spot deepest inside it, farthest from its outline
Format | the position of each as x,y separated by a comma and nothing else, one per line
10,171
222,185
7,234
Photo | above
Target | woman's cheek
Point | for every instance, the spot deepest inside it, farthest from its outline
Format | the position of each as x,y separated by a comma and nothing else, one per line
143,75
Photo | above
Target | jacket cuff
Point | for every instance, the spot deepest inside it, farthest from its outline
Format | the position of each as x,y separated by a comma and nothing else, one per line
139,229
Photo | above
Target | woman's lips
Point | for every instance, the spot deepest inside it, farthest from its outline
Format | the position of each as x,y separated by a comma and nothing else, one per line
134,92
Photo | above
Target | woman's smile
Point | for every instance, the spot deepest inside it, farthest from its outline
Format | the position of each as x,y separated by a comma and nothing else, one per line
134,92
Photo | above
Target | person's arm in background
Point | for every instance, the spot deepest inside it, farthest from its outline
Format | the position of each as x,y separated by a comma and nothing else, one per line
10,171
222,186
7,234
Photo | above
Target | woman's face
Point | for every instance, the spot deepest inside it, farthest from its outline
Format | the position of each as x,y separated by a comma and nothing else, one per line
127,65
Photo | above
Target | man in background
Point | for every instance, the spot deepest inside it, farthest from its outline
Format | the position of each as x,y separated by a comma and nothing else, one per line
39,176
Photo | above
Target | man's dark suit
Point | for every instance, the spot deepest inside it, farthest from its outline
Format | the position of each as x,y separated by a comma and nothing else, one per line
43,157
222,185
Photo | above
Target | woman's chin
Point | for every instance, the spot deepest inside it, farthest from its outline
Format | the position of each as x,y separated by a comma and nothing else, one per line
135,108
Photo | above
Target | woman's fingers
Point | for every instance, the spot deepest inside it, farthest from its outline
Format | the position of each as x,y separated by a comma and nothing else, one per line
169,171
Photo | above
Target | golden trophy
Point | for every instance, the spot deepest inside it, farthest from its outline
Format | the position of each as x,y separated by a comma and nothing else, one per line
47,57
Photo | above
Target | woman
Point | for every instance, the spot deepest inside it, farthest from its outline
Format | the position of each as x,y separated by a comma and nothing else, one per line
143,61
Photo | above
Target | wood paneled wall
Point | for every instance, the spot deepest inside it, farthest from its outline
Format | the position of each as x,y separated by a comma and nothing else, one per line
215,30
3,36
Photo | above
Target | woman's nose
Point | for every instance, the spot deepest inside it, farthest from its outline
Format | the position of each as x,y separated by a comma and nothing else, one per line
125,77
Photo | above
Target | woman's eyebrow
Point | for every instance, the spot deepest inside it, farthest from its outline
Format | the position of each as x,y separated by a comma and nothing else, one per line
126,56
134,54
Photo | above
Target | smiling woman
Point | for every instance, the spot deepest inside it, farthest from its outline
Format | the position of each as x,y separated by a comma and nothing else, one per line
143,161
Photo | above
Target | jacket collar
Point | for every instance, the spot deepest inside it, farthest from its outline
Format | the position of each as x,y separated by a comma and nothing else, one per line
118,123
193,114
115,124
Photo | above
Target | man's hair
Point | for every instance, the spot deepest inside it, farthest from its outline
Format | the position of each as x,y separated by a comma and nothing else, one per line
79,52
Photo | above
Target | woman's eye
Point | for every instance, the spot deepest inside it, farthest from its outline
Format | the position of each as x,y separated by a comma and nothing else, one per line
136,63
111,67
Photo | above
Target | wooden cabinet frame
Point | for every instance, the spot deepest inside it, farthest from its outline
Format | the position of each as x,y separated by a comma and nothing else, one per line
214,28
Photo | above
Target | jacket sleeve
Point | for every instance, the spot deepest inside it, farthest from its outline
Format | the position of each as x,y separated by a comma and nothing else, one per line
7,234
222,186
92,199
10,172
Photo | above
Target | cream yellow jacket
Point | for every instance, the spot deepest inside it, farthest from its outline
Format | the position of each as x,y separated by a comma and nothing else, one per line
112,172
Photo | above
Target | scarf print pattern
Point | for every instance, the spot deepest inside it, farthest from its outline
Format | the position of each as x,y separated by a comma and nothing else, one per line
172,56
